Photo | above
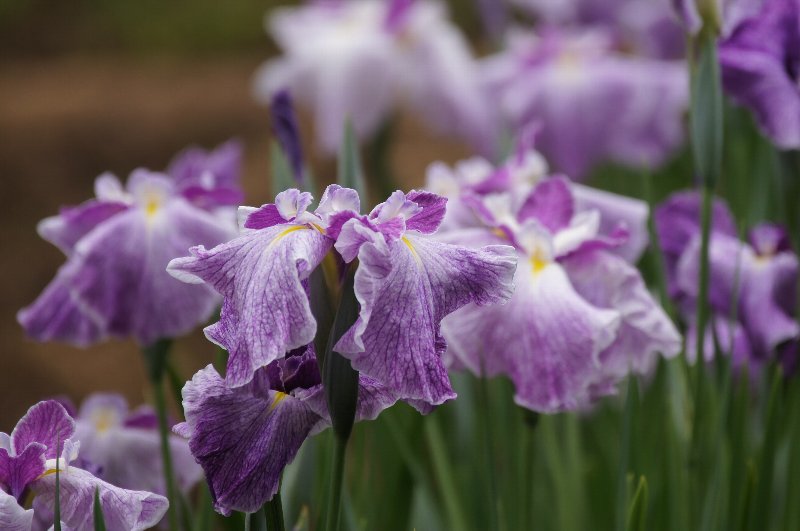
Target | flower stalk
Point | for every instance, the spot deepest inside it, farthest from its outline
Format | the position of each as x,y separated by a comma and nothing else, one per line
155,356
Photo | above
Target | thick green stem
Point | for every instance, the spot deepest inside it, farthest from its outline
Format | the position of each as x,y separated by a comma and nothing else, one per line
337,479
156,357
273,513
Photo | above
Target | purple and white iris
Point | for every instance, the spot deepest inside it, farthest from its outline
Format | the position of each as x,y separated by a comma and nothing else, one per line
359,60
118,245
29,458
752,283
760,63
593,104
244,437
729,13
125,445
581,317
406,283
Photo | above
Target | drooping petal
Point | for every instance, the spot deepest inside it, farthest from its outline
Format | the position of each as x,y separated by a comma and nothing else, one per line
122,509
65,230
547,339
432,214
608,281
12,516
266,311
405,288
243,438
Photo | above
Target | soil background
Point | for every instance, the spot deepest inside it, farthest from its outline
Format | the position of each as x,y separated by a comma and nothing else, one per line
88,87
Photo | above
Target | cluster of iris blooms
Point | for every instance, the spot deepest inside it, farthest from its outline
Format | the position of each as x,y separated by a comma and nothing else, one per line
328,315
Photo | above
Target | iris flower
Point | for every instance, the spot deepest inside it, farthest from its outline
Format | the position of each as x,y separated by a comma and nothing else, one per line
28,461
118,245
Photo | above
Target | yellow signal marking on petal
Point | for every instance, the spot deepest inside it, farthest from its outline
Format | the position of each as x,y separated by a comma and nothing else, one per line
321,230
411,247
151,208
538,262
499,233
287,231
279,397
104,419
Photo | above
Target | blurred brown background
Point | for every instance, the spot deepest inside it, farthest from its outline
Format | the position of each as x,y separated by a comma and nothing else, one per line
110,85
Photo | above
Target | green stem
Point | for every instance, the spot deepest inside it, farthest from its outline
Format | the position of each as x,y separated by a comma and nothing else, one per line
444,474
247,521
337,478
484,416
156,357
273,513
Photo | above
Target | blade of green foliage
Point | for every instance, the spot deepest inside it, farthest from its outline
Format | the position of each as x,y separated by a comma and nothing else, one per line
99,519
349,173
280,170
637,514
57,509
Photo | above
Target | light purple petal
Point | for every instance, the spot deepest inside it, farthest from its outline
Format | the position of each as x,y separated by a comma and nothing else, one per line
766,283
761,69
405,288
122,509
266,310
209,178
12,516
617,212
768,239
547,339
65,230
550,203
265,217
243,438
608,281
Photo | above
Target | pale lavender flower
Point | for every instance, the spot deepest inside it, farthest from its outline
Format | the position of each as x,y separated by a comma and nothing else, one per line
760,63
28,461
118,245
361,61
592,104
580,319
753,281
244,437
647,27
619,215
126,447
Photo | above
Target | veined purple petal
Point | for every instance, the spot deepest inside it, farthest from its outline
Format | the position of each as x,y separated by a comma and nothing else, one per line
265,217
405,288
266,310
46,423
243,438
434,206
547,339
122,509
12,516
550,203
19,469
